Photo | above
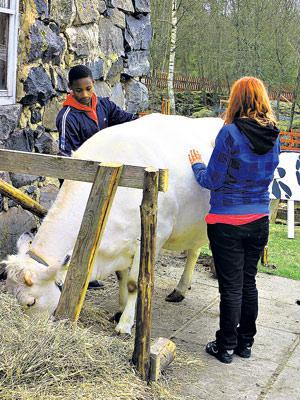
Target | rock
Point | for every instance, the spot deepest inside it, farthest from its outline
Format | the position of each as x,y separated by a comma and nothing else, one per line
62,82
102,6
36,115
59,79
115,70
83,40
137,63
142,6
30,190
117,95
102,89
45,43
1,203
42,8
136,96
9,119
21,140
5,176
111,39
87,12
125,5
38,87
138,34
117,17
63,12
13,223
19,180
51,110
48,195
44,142
96,67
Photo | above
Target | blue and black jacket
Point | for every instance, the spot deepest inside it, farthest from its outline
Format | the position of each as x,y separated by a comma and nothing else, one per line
241,168
75,126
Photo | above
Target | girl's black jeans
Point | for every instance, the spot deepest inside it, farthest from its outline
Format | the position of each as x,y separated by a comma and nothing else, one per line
236,251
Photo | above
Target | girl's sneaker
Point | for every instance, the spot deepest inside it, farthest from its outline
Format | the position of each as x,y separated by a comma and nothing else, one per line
243,351
225,356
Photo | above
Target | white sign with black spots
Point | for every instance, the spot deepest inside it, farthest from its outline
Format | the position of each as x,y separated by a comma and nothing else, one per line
286,183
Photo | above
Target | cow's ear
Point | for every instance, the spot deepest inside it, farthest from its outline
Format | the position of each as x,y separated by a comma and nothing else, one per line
24,242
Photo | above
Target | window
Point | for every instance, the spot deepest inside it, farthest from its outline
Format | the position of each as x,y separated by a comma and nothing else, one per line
8,50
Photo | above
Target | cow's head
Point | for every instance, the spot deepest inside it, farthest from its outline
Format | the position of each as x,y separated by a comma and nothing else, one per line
33,283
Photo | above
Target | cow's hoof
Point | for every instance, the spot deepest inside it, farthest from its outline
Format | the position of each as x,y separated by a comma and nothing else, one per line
116,317
123,329
174,297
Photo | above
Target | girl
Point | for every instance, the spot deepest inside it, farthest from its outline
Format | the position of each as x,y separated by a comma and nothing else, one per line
238,175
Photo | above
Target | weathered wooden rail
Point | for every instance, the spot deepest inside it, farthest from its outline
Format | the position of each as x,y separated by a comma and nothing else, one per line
105,178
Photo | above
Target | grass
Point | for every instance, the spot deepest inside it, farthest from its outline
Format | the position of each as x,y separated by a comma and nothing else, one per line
284,253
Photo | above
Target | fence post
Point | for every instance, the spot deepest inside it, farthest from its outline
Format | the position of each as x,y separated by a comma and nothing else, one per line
141,354
291,219
91,231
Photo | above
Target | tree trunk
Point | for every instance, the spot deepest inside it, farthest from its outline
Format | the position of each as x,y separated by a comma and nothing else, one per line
277,110
296,91
172,57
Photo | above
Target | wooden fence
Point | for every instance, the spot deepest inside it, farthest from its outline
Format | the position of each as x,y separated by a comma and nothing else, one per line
290,141
105,178
197,84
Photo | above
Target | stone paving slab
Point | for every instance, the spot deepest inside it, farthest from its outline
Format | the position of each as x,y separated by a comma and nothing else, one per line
277,288
287,386
272,373
274,314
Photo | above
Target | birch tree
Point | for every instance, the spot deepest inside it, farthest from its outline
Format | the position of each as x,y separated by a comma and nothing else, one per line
172,56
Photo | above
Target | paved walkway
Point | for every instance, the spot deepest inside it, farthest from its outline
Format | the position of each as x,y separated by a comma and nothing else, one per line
272,373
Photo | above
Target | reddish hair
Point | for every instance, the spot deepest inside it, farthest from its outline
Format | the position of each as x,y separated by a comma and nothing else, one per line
249,99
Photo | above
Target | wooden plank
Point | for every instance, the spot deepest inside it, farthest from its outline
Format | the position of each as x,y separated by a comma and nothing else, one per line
23,199
89,237
162,353
141,354
71,168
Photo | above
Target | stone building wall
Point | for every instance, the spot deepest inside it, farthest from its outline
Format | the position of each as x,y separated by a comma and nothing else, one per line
112,37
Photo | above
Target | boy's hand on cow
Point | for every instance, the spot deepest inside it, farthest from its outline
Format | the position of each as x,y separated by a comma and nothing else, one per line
195,157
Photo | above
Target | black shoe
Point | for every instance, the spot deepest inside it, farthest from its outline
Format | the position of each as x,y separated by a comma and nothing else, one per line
95,285
243,350
225,356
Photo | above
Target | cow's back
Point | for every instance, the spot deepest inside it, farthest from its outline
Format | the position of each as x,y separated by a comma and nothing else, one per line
163,142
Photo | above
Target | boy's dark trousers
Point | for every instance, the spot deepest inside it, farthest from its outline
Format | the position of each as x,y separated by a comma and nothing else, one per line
236,251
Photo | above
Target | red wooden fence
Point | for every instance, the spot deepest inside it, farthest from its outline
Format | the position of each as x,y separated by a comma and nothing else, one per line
290,141
191,83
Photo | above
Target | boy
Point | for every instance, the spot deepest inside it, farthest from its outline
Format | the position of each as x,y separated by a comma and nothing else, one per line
83,113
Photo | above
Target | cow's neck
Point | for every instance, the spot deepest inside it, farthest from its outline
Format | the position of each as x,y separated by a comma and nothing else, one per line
58,232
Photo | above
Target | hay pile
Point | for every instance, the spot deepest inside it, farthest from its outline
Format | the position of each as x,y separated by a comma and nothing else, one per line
44,360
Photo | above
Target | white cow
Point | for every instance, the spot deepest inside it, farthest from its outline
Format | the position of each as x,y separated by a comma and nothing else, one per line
155,140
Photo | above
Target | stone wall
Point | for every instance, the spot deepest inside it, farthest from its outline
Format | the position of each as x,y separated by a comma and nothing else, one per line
112,37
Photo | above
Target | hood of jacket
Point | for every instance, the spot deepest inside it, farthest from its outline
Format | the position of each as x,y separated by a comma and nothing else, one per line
262,138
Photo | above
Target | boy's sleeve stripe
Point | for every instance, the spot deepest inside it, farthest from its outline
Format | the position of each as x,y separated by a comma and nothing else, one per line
63,130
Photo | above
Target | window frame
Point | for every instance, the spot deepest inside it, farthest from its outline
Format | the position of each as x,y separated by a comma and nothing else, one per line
8,96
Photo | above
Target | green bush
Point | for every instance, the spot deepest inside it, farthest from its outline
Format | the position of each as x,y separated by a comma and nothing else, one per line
204,112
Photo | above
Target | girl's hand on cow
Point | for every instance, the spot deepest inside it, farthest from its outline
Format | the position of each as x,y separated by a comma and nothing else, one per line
195,157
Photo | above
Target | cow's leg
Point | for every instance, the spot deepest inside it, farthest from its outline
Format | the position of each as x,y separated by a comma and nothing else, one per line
123,293
127,319
184,284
